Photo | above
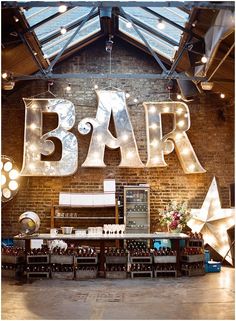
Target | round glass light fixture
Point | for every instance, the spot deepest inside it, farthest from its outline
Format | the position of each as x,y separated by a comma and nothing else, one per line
10,177
63,30
29,222
62,8
7,166
204,59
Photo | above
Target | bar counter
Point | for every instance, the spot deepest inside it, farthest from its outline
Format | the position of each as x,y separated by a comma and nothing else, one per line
125,236
173,237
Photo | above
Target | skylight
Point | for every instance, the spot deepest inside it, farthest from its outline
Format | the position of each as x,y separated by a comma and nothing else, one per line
48,32
162,47
54,46
164,41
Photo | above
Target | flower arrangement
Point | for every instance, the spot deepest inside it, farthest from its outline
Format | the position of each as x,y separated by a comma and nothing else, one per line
175,215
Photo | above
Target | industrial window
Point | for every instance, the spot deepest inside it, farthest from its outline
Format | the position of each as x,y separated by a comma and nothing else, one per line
48,33
164,40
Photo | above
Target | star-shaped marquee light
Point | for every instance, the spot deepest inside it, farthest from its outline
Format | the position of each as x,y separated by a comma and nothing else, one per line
213,221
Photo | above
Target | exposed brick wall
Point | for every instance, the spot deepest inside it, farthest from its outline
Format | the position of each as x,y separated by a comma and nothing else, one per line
210,135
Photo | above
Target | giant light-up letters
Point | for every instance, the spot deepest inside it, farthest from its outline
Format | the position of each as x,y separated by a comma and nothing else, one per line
36,144
109,103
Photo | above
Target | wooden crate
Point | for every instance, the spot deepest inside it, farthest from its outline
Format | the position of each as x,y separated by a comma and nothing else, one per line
141,259
196,272
85,260
162,273
38,259
86,274
61,259
195,243
146,274
37,275
8,273
116,274
192,258
63,275
116,259
164,259
10,259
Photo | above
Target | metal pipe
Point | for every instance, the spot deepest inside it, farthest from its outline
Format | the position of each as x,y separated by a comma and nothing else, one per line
108,76
102,4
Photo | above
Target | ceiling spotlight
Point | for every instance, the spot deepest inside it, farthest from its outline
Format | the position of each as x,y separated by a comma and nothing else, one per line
204,59
135,100
15,19
4,75
62,8
95,86
35,53
160,24
222,95
109,44
179,96
129,25
68,87
63,30
127,95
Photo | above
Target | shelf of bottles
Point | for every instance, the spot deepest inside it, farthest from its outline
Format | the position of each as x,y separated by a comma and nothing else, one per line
13,260
192,256
86,263
137,209
62,264
37,264
140,259
116,263
164,261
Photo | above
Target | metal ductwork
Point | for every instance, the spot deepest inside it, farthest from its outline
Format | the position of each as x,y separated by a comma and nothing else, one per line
188,89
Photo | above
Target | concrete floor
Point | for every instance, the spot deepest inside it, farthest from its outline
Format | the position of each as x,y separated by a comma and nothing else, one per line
206,297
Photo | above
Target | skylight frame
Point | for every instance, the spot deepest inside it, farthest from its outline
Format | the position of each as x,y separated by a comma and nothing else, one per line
78,39
133,35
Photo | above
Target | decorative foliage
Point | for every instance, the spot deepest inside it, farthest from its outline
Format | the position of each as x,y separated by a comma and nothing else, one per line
175,215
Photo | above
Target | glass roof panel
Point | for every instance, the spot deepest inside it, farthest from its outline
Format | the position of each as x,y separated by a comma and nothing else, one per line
37,14
178,16
62,20
54,46
160,46
150,20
